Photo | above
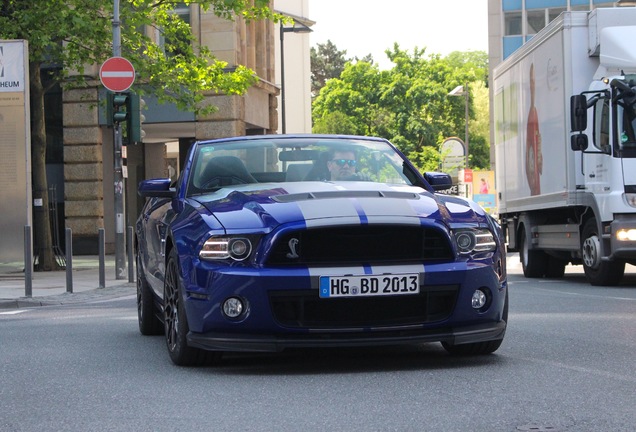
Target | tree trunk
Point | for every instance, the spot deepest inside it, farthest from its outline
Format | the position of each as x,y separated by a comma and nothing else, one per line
41,220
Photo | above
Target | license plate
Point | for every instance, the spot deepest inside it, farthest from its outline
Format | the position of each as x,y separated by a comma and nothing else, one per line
369,285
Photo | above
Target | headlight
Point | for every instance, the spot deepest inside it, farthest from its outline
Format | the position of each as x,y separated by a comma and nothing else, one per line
220,248
630,199
474,240
626,235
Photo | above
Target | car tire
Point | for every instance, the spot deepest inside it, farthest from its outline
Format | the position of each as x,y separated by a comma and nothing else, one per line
597,271
478,348
176,321
149,322
533,262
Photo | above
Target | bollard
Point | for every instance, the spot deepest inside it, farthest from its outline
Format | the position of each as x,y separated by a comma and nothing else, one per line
102,270
69,260
131,266
28,262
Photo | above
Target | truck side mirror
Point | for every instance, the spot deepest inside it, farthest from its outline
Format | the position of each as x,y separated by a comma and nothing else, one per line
579,142
578,113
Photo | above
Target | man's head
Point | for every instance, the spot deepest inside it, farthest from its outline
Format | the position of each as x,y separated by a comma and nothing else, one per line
342,164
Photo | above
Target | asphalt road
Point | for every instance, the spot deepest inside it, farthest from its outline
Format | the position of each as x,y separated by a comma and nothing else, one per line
567,364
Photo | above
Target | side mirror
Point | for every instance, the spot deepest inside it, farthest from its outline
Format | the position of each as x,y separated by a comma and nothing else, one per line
579,142
153,188
578,113
438,180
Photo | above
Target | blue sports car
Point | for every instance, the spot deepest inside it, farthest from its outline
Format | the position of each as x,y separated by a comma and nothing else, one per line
279,241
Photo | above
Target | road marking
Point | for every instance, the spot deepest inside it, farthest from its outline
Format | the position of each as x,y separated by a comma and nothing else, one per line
15,312
604,297
581,369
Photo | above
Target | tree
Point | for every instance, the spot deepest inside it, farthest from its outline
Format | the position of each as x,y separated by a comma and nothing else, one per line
73,34
479,126
326,62
409,104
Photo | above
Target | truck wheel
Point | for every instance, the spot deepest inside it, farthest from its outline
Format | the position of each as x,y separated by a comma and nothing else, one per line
533,262
597,271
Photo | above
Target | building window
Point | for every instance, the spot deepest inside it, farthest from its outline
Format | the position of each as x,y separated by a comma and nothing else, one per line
535,20
553,13
512,23
181,10
509,5
510,44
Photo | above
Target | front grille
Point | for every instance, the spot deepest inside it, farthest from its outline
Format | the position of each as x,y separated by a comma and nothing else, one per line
305,309
373,244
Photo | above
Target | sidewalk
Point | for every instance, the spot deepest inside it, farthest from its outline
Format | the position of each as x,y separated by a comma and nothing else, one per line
49,288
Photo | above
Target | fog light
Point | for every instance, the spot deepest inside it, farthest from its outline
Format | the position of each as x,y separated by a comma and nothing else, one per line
233,307
479,299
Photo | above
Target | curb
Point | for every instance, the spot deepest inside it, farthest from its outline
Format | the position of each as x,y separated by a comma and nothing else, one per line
111,292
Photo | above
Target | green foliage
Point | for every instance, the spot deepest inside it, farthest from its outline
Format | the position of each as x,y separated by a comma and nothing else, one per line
75,34
335,123
326,62
409,104
427,159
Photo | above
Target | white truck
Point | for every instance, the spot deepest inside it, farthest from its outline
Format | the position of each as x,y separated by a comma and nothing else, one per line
565,146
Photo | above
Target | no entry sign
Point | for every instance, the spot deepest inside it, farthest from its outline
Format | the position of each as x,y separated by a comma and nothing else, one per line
117,74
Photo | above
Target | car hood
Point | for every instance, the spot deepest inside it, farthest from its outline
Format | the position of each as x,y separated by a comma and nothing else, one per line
265,206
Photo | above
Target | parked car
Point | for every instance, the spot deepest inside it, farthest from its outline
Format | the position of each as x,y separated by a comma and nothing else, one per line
279,241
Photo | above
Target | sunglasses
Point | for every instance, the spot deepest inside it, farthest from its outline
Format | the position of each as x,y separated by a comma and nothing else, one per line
342,162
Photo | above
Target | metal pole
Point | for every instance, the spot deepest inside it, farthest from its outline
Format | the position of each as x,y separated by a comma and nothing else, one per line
69,260
28,262
131,267
282,78
467,95
118,178
102,272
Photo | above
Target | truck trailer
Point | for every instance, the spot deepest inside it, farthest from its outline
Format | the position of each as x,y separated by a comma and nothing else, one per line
565,146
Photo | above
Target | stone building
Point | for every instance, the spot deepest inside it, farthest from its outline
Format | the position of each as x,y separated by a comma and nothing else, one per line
86,172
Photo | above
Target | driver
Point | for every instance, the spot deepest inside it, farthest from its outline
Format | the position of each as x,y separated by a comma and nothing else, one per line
342,165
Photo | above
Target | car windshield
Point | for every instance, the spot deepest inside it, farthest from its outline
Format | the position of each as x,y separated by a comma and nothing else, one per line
221,164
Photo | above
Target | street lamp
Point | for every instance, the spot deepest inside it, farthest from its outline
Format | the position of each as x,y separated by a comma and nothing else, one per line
298,27
463,91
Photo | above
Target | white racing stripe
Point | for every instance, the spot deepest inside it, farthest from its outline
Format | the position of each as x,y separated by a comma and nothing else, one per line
324,209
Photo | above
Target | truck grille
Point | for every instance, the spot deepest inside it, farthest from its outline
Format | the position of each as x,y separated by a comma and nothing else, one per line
304,309
373,244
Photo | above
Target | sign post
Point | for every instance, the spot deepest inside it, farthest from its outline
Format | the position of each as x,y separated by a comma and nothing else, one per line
117,74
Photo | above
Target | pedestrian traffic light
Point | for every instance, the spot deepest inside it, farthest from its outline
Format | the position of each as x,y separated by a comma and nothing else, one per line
120,102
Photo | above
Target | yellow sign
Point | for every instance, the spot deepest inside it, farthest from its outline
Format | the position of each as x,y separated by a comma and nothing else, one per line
484,192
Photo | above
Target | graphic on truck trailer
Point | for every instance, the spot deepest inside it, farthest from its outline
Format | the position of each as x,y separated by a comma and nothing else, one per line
534,158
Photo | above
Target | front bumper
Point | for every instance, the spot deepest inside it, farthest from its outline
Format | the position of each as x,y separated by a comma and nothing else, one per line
284,310
268,343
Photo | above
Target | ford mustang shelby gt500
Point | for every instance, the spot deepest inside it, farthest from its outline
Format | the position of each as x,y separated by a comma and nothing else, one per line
272,242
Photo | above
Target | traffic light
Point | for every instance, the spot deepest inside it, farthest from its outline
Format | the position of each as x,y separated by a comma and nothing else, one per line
135,119
126,108
120,102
